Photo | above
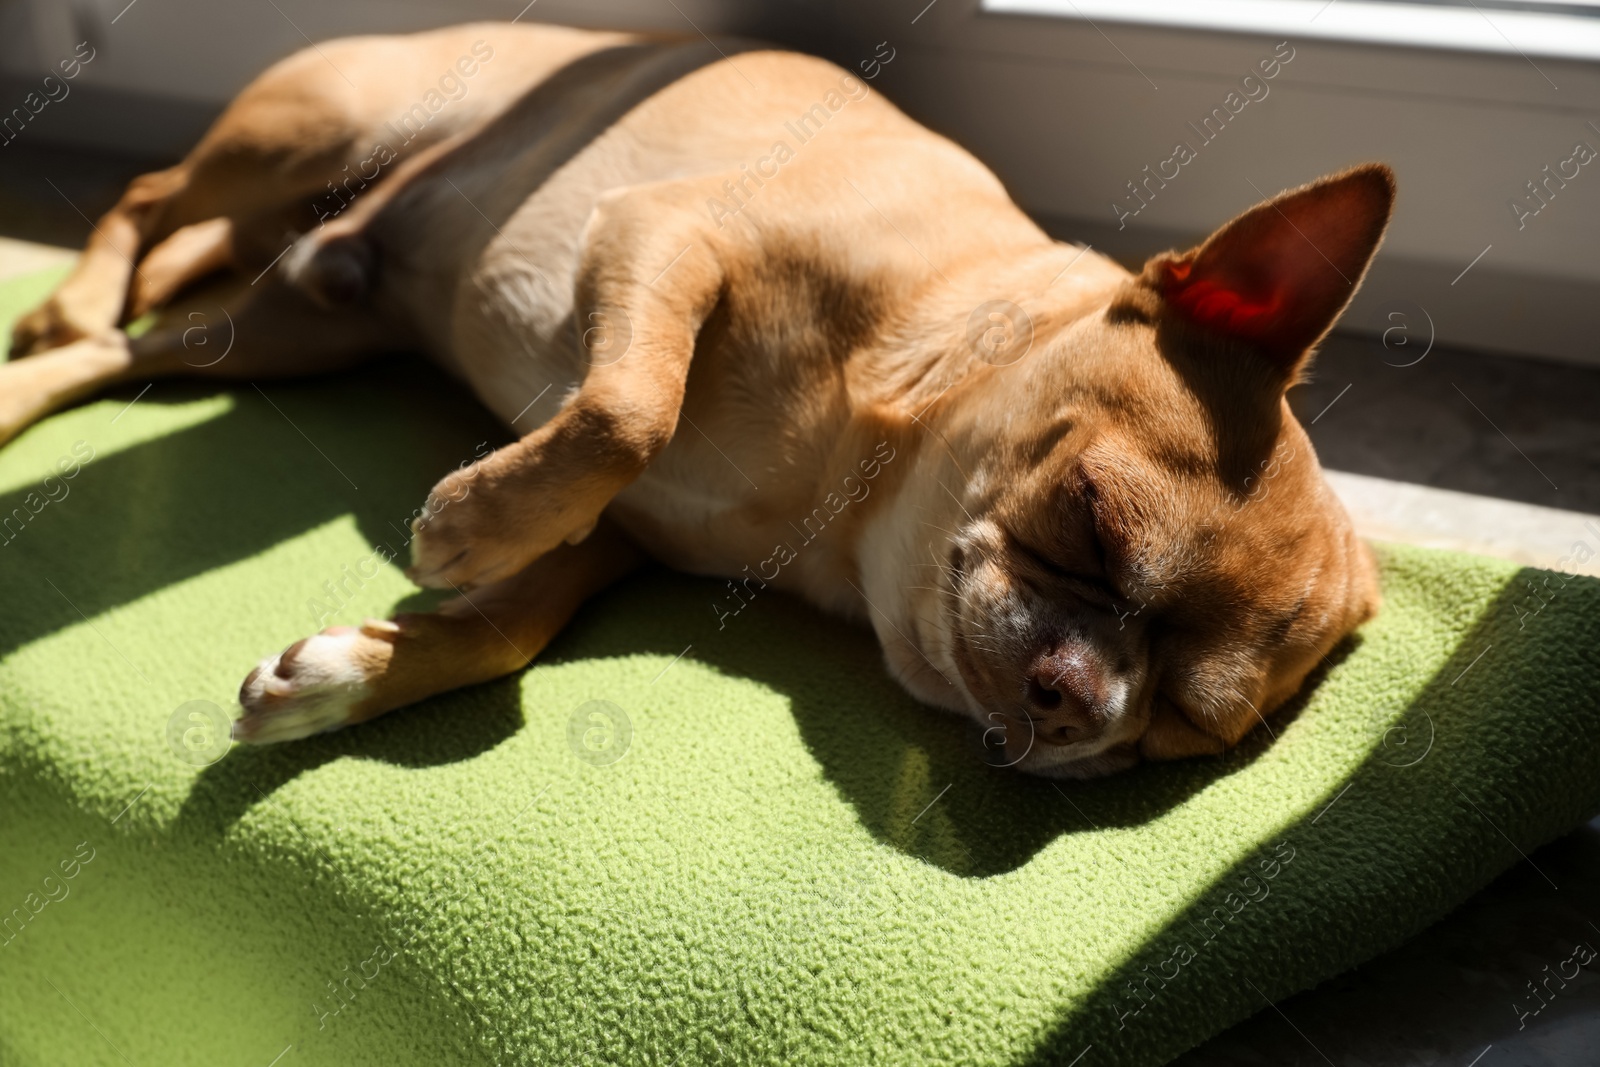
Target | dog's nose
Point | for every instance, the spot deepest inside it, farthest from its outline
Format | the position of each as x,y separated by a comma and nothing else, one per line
1067,693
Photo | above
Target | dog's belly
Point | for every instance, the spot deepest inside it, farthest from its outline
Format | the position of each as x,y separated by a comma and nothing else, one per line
698,518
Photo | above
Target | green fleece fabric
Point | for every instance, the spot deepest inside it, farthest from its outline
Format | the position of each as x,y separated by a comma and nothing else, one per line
769,854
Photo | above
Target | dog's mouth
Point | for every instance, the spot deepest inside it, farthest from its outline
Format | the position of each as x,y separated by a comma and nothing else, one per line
1009,730
1012,735
1009,734
1010,705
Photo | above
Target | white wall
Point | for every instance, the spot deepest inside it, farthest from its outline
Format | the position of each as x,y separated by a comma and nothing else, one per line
205,50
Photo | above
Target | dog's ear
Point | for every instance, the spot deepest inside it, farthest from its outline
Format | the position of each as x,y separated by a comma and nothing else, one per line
1281,273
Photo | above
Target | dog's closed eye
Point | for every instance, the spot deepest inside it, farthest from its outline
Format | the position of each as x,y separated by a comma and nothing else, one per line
1085,575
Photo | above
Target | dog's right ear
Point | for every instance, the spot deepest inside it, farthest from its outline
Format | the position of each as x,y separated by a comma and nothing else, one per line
1279,275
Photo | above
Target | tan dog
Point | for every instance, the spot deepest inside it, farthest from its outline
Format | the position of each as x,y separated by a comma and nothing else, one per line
750,317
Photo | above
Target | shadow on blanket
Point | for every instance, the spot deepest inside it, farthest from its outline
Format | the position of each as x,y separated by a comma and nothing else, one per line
877,746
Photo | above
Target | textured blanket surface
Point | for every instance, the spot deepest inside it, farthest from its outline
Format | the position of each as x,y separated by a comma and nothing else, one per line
668,843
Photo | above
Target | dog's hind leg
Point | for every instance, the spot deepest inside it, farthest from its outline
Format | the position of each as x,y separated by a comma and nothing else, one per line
234,202
255,178
346,675
230,331
191,253
91,299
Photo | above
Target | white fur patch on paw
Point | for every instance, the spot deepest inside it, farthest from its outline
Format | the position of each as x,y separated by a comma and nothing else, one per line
310,687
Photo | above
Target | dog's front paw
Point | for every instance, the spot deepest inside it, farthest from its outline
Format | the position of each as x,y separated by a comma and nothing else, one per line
486,522
459,541
320,683
470,536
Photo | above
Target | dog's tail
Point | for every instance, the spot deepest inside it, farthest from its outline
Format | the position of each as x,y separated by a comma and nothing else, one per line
334,272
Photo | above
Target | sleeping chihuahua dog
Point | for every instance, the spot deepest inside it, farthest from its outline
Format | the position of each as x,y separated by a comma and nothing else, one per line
716,289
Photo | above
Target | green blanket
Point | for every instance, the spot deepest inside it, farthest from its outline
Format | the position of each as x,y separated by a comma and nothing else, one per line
668,844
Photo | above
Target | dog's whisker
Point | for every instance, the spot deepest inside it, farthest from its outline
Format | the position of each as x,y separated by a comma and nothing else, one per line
959,504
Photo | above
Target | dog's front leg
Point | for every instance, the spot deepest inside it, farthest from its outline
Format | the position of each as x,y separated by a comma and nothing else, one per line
346,674
645,285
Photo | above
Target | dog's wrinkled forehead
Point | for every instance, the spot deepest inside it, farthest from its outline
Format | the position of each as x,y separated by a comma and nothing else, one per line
1147,492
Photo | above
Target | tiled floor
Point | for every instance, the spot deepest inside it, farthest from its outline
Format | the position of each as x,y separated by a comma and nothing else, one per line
1459,450
1516,429
1483,453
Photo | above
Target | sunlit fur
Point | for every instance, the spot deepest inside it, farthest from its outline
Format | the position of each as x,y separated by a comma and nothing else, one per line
1129,503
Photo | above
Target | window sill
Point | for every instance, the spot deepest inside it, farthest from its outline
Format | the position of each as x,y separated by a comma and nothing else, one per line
1468,29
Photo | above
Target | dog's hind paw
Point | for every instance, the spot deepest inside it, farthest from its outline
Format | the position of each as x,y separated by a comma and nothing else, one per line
318,684
50,325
